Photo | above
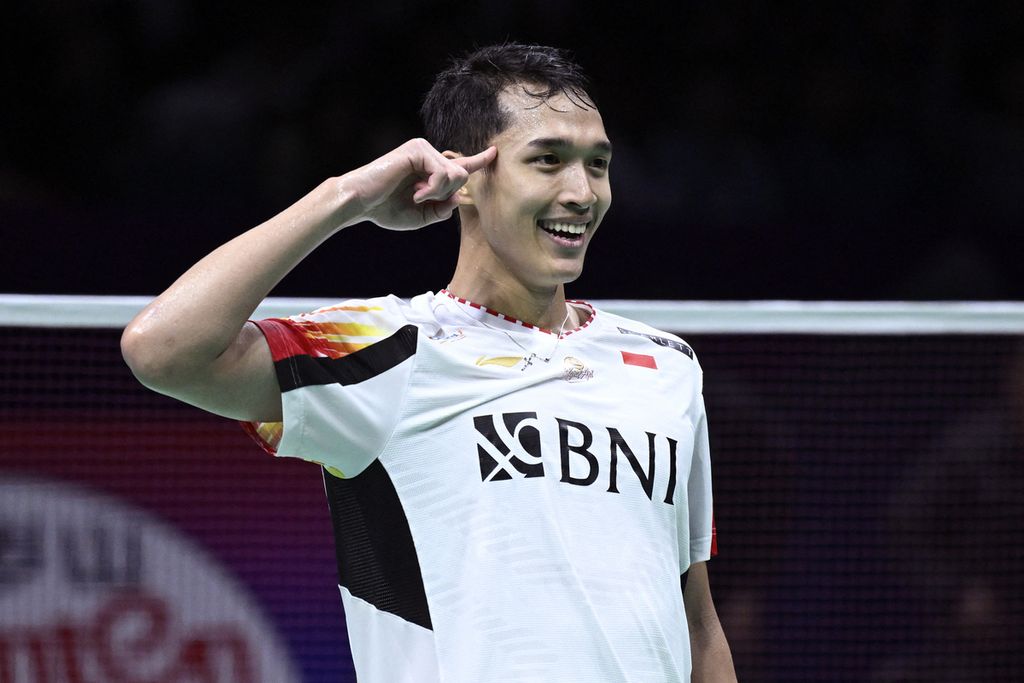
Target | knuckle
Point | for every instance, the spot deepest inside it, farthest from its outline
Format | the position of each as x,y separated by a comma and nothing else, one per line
416,146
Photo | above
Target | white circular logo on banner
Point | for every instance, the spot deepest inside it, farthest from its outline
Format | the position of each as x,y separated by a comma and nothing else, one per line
95,591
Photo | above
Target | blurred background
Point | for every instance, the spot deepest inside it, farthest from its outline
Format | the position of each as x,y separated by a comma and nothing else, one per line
762,150
869,489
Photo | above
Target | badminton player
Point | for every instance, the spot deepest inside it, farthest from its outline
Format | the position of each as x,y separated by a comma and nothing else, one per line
520,484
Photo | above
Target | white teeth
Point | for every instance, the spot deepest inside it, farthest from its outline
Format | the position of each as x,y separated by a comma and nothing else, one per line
570,228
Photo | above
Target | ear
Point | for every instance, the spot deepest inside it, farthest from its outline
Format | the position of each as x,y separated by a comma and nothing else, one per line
464,193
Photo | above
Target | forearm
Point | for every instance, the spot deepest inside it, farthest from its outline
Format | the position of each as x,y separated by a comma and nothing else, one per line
192,342
709,649
710,654
199,316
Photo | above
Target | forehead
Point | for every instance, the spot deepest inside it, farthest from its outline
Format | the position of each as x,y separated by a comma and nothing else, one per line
558,116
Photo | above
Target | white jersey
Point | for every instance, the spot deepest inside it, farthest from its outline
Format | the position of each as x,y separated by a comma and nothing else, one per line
510,504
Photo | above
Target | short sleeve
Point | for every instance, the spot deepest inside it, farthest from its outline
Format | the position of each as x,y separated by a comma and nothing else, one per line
343,373
699,519
697,544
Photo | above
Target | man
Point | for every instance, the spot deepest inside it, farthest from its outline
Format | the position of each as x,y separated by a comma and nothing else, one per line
519,484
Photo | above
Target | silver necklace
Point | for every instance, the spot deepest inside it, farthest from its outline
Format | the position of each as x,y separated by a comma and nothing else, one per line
532,355
529,359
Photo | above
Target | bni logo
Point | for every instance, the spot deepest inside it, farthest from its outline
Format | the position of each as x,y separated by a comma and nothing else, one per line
509,447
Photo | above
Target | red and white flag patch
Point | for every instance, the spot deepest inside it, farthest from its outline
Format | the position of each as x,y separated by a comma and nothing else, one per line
639,359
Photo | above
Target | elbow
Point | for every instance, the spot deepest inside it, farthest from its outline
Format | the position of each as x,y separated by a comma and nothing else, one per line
149,359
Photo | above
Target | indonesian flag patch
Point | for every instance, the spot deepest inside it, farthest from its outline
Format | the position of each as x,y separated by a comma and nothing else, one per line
639,359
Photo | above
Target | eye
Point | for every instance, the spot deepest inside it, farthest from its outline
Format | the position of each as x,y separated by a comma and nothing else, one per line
547,160
600,163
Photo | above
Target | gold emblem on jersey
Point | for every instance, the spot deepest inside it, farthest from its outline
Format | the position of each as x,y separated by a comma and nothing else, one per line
503,361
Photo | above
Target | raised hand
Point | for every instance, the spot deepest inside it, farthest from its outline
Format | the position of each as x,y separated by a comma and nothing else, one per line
413,185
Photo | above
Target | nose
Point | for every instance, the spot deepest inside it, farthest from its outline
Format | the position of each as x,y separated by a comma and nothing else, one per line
577,191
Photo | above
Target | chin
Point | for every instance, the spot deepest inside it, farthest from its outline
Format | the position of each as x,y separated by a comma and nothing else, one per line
557,272
571,271
564,277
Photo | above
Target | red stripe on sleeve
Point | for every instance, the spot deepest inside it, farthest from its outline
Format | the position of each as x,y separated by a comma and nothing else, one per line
250,428
285,340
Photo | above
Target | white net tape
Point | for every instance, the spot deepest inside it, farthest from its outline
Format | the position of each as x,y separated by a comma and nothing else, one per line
709,317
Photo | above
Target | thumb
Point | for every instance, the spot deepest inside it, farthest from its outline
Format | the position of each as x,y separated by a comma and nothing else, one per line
441,210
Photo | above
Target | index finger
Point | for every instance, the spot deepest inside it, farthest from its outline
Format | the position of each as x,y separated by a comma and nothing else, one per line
477,161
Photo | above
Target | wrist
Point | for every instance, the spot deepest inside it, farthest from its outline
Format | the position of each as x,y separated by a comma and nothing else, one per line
346,205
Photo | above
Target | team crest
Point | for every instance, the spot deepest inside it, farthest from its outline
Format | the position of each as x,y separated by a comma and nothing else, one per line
573,370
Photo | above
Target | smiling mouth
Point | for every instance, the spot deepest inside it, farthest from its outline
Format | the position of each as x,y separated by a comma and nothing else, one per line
566,234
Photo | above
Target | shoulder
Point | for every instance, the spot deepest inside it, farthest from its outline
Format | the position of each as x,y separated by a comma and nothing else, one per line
375,308
634,328
630,343
373,317
345,327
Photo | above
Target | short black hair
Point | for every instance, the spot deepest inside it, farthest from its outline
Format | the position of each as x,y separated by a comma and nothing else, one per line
461,112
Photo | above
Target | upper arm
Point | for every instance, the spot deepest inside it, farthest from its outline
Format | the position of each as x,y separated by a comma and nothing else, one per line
240,383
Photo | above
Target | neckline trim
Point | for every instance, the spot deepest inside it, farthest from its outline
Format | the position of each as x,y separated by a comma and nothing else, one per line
529,326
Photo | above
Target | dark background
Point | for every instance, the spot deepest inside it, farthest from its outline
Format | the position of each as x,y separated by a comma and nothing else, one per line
763,150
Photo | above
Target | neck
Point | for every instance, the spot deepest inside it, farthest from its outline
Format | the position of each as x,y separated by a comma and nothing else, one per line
544,308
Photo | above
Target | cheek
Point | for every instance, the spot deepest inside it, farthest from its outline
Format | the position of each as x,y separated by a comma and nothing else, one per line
515,212
603,190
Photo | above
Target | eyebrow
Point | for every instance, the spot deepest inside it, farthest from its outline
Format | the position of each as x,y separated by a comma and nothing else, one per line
600,145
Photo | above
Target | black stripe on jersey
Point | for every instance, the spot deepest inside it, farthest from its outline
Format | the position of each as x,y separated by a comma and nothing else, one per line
661,341
376,556
303,371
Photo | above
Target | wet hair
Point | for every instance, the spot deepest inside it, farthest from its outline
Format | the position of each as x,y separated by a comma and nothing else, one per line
461,112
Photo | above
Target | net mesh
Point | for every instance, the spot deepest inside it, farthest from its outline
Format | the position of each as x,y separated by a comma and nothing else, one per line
869,494
869,497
